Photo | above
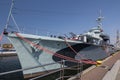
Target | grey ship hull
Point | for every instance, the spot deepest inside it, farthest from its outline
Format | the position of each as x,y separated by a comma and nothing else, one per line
30,56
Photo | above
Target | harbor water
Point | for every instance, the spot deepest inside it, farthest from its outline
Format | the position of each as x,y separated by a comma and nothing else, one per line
10,63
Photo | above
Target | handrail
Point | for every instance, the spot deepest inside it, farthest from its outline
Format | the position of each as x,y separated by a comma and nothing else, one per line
45,74
18,70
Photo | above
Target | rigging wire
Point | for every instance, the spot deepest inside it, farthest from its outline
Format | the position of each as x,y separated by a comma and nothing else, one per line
15,23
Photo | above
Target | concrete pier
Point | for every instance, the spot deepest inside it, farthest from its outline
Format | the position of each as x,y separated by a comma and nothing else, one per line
113,74
99,72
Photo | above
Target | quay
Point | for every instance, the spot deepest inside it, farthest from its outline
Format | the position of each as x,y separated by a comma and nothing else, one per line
108,70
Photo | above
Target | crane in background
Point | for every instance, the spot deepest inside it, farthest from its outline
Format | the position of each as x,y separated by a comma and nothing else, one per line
117,44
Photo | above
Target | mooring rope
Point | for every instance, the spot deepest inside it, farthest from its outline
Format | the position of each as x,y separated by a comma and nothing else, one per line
1,36
81,57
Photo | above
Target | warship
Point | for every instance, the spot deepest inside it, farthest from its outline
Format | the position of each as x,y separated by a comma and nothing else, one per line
36,50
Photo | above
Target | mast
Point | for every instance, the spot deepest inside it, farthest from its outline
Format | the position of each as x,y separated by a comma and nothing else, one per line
99,20
10,12
11,16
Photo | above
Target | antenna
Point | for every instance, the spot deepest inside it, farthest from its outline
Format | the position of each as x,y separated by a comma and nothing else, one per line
99,19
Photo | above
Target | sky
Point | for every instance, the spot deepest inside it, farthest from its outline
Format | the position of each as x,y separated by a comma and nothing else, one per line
46,17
